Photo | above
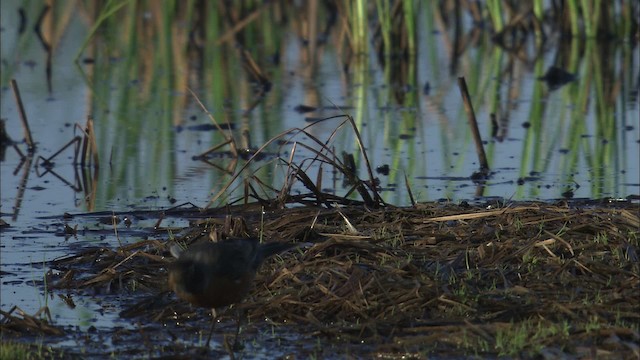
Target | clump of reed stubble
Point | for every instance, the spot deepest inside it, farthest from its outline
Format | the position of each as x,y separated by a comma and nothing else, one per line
438,272
433,273
446,275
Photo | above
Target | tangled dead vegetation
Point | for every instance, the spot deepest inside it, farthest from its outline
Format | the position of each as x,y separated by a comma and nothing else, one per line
529,278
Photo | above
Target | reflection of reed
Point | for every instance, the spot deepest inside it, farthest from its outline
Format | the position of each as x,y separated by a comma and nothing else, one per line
473,124
85,159
85,149
25,164
230,53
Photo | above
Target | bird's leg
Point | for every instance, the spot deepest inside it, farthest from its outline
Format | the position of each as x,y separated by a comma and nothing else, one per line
214,317
236,343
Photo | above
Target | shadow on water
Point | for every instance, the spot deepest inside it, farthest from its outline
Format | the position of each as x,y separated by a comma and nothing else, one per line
194,103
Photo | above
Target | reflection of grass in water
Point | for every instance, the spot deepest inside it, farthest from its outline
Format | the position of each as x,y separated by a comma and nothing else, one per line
170,48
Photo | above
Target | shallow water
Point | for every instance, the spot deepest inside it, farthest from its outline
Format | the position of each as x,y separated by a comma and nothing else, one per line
577,138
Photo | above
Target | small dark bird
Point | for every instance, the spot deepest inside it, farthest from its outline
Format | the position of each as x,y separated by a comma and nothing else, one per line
214,275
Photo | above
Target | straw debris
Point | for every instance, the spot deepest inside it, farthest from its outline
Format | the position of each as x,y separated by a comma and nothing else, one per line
516,279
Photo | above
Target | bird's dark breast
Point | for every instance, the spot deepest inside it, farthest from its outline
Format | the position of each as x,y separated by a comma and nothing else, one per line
213,275
226,291
203,286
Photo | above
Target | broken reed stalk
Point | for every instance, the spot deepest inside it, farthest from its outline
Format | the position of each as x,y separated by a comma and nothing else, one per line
257,152
23,116
85,149
409,192
288,181
253,69
23,322
228,139
343,167
373,200
473,123
93,145
249,162
89,145
372,178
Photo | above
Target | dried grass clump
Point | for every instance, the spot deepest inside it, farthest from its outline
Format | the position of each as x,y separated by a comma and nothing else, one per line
131,267
410,271
512,280
17,322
